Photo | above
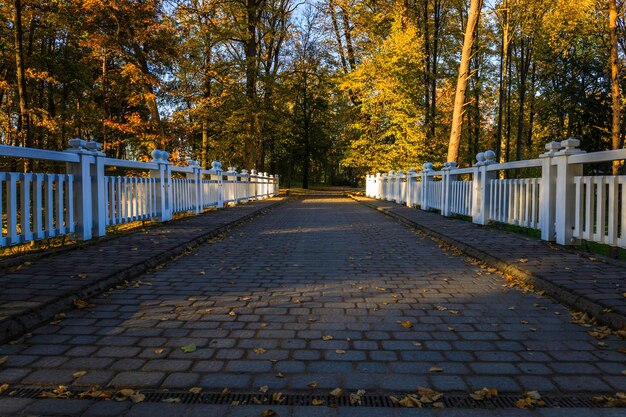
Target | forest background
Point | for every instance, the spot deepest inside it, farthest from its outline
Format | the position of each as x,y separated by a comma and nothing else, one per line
319,91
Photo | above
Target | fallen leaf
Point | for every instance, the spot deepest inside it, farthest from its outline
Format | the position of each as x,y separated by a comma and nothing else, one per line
340,351
278,397
417,344
137,397
484,393
406,324
327,337
82,276
381,288
260,351
522,260
225,391
312,384
279,375
428,395
232,314
264,389
337,392
435,369
159,351
244,298
453,312
202,272
195,390
441,308
3,360
79,374
3,388
189,348
268,413
174,400
316,402
80,304
95,393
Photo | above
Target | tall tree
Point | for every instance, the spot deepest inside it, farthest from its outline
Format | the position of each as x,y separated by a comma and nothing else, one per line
615,86
461,85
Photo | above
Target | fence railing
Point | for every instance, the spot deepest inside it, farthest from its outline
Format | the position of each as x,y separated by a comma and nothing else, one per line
559,201
83,201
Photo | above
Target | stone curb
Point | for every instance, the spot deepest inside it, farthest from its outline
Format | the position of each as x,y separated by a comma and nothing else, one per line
562,295
17,325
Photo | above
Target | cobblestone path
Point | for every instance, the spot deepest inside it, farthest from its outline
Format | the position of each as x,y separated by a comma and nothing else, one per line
319,289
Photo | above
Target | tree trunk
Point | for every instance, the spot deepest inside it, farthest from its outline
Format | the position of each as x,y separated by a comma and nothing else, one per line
461,85
333,18
524,67
615,87
504,54
251,51
23,124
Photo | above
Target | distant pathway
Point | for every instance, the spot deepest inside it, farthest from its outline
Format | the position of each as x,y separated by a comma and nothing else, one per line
319,293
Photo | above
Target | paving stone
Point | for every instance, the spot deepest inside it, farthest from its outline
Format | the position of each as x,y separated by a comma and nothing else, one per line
57,407
107,409
157,410
137,379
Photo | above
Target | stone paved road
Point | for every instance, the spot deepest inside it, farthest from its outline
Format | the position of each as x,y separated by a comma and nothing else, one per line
260,303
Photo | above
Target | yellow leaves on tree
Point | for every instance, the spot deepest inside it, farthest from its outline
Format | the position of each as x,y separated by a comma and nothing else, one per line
390,124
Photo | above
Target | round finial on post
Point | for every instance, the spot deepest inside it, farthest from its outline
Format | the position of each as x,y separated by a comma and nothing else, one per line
255,172
490,157
156,155
480,159
216,166
427,167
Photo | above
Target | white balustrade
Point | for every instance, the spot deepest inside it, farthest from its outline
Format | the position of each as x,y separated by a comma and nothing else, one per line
560,202
84,201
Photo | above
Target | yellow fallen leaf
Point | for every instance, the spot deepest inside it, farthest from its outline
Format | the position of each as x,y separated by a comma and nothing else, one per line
260,351
406,324
174,400
327,337
340,351
278,397
79,374
80,304
190,348
232,314
268,413
381,288
337,392
137,397
159,351
417,344
522,260
3,388
312,384
82,276
195,390
225,391
435,369
455,312
264,389
316,402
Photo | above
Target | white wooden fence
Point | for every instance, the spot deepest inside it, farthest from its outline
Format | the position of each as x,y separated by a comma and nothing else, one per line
84,201
564,205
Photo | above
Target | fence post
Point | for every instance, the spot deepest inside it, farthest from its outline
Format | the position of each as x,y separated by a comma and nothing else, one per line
163,175
399,178
446,192
426,169
547,189
216,175
276,185
245,179
196,176
410,184
89,192
481,191
565,191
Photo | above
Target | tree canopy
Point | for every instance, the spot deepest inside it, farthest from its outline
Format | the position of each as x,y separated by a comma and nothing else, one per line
322,91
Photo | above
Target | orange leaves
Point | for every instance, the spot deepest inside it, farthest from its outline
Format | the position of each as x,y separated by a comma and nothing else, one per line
531,399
